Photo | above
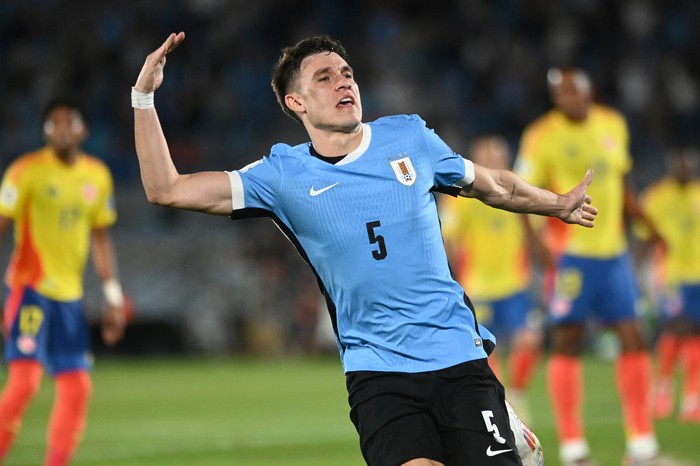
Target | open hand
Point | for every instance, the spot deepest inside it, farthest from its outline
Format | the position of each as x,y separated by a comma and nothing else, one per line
578,209
151,75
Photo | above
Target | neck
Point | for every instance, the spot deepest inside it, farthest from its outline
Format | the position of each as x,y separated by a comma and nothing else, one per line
335,143
576,118
67,156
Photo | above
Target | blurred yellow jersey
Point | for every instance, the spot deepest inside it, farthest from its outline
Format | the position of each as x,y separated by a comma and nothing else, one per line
674,210
491,244
555,153
54,206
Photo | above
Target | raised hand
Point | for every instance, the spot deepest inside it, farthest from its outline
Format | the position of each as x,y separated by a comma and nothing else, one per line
151,75
578,209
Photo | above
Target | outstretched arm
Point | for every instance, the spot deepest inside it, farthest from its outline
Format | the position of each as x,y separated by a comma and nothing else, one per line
505,190
205,191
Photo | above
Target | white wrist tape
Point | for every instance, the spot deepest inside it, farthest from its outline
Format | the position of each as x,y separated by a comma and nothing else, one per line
113,293
141,99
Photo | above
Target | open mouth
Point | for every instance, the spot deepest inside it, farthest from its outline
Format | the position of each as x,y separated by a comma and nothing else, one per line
346,102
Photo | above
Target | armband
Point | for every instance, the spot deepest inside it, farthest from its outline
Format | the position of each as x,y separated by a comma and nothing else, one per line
113,293
141,100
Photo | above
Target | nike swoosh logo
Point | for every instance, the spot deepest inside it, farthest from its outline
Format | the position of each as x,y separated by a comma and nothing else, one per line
490,452
316,192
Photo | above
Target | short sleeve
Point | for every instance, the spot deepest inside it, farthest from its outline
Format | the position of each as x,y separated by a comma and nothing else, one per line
451,170
625,138
530,162
254,186
12,190
106,213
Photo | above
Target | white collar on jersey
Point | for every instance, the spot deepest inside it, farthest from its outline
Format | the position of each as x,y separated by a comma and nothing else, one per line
361,149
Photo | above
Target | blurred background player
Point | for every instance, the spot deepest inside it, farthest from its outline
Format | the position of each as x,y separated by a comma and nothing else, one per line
59,199
594,274
489,250
672,204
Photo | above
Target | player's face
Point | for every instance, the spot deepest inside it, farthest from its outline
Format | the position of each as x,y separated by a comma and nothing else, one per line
573,96
685,165
64,129
328,93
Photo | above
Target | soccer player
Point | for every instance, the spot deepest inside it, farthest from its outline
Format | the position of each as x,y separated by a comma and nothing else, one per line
594,274
673,206
491,253
357,201
60,201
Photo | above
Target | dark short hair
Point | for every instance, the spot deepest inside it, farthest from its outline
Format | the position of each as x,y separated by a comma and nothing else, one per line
63,102
286,71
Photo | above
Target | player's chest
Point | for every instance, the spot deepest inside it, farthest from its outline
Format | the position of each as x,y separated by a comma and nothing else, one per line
681,209
382,187
56,191
590,147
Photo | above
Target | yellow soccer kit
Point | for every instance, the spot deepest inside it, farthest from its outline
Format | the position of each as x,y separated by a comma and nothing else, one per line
54,206
555,153
494,263
674,210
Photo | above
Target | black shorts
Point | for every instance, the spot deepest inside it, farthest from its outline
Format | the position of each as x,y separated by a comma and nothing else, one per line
456,416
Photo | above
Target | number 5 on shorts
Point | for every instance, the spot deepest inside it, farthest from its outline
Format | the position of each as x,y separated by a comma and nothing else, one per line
491,427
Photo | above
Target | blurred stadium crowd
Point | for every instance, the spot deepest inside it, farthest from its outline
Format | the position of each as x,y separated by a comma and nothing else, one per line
467,67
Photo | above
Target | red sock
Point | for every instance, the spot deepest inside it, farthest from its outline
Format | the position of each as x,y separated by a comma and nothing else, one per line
55,458
633,373
23,382
667,350
495,364
523,362
564,382
68,417
691,366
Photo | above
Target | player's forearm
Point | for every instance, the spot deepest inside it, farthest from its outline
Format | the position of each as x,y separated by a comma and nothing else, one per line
505,190
528,199
158,173
103,256
105,261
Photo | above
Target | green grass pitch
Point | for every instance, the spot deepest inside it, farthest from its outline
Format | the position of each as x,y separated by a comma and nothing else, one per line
261,412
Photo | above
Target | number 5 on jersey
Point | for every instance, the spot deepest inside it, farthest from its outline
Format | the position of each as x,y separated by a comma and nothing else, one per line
374,238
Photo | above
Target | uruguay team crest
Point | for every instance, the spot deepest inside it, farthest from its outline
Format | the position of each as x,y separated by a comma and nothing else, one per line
404,171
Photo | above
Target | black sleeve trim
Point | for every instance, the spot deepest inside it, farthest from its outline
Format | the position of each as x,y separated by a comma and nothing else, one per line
450,190
250,212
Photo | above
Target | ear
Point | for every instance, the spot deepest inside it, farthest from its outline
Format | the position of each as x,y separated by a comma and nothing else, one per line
80,128
84,135
294,102
47,128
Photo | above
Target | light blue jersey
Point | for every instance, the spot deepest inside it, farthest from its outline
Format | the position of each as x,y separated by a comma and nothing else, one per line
368,226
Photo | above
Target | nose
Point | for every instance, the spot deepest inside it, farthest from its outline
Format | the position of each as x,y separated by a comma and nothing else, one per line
344,83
